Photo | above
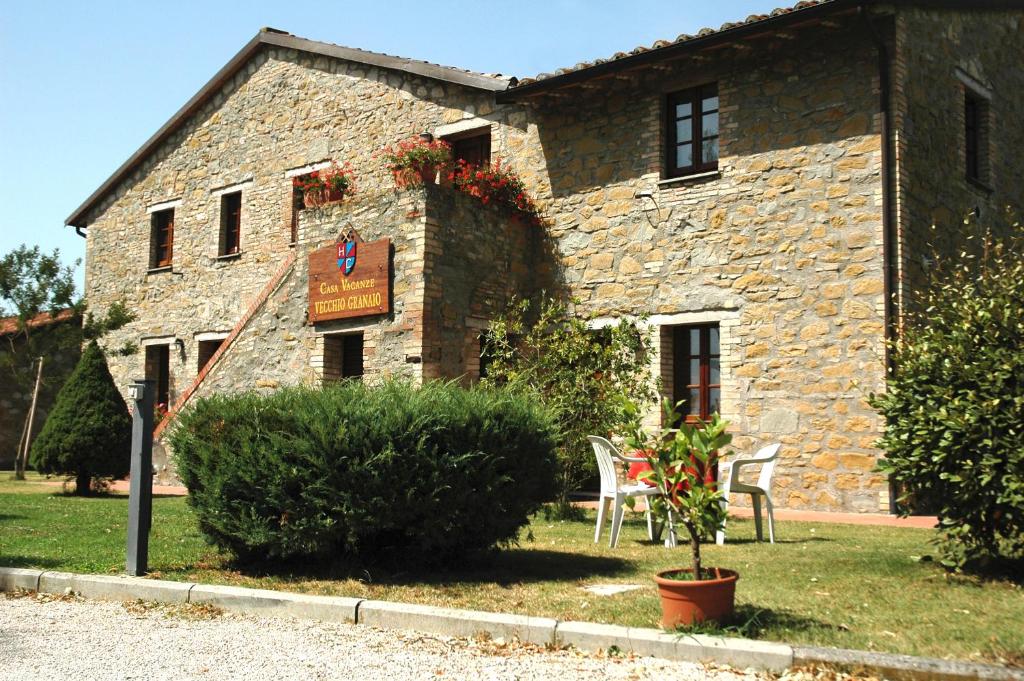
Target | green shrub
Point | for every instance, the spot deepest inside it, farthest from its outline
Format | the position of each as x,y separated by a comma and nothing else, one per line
88,432
954,406
579,373
353,473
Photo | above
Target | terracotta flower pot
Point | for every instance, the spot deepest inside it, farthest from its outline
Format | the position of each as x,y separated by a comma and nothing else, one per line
688,602
428,172
313,198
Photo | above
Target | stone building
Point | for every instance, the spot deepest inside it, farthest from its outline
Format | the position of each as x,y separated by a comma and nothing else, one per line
761,194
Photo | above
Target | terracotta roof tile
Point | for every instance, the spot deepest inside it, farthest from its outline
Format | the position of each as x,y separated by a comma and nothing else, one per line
9,325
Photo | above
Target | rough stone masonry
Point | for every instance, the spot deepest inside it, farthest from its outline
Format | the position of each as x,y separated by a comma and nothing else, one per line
781,247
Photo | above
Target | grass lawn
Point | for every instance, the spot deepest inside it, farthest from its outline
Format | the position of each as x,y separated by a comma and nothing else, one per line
835,585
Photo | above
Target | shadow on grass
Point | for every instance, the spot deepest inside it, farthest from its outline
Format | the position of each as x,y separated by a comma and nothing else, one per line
7,560
750,621
502,567
8,516
751,540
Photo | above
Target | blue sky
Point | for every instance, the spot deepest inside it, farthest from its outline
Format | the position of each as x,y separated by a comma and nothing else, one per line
84,84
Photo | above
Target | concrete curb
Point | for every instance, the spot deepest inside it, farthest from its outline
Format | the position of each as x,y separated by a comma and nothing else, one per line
114,587
902,667
266,602
735,652
465,623
12,579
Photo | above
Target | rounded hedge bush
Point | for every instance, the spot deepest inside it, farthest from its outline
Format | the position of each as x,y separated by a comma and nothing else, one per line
352,473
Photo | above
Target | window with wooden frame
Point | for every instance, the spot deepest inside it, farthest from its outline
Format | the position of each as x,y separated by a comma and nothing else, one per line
697,374
230,223
474,148
158,370
691,131
343,356
976,136
162,238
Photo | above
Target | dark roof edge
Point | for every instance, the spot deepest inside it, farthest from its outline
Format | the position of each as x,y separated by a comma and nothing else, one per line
794,16
670,51
285,40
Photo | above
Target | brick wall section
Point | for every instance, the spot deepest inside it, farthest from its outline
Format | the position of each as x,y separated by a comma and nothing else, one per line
935,50
478,257
782,248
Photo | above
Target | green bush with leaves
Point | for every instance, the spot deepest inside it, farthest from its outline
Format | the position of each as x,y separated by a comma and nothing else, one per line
580,373
88,432
954,405
359,474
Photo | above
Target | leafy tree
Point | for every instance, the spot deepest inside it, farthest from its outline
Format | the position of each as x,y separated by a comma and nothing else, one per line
954,404
31,283
578,372
88,433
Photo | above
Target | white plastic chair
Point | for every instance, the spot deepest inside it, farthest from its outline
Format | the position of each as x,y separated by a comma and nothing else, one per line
611,490
766,456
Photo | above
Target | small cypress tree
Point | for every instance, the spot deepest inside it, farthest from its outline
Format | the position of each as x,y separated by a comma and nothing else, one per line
88,432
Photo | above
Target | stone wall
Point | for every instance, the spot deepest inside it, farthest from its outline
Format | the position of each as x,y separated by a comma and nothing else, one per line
283,111
782,247
478,257
939,55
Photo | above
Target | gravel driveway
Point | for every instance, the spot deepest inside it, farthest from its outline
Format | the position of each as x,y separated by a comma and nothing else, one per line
47,637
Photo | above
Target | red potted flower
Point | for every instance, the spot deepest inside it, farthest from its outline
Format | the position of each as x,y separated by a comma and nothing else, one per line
326,185
496,183
682,468
416,160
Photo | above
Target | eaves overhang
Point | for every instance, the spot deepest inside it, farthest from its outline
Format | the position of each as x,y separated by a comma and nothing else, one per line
275,38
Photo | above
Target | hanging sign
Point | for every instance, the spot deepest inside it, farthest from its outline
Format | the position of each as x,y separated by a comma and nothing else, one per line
349,279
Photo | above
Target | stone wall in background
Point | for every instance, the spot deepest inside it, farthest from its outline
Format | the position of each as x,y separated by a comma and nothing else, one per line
16,400
782,247
940,55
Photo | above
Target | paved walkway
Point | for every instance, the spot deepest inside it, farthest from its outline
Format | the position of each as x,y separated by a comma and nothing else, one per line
782,514
48,638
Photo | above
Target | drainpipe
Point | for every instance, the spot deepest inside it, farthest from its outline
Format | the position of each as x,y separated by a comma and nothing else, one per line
888,222
79,232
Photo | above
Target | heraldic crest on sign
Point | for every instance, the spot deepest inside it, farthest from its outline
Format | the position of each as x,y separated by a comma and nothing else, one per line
338,289
347,249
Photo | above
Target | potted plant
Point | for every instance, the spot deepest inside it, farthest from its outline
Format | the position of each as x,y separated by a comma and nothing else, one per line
682,467
416,160
496,183
332,183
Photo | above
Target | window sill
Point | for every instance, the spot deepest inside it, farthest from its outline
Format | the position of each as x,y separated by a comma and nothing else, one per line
158,270
687,179
979,185
230,256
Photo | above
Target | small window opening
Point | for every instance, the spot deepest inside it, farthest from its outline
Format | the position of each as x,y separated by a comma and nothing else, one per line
474,149
207,349
691,134
158,370
162,238
230,223
343,356
976,137
696,375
